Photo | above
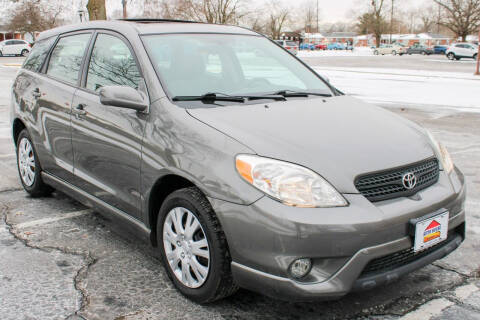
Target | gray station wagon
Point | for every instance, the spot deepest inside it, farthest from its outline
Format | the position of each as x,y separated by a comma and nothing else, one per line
241,165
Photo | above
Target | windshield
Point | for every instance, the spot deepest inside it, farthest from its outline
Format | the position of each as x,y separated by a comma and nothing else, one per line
197,64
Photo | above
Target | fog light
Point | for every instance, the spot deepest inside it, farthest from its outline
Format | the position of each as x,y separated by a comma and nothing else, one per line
300,267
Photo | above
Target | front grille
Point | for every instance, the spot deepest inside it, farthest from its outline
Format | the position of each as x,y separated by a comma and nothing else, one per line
400,258
388,184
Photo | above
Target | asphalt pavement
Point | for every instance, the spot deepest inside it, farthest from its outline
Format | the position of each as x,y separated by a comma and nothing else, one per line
60,260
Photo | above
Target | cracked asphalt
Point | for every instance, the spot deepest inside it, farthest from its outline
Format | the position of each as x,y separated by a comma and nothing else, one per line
59,260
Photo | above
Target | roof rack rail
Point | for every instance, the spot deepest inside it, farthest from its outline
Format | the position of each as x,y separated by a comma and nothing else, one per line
150,20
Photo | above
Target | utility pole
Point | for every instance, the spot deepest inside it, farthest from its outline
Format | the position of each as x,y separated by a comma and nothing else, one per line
391,22
318,29
477,72
124,4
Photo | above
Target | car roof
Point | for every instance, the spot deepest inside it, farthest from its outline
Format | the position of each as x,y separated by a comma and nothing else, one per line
149,26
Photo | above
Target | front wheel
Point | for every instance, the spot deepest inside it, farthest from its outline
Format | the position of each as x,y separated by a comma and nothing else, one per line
394,52
424,53
375,52
451,56
29,168
1,54
24,52
193,247
475,56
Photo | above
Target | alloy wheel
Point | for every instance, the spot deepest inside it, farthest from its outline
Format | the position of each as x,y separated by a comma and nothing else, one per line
186,247
26,162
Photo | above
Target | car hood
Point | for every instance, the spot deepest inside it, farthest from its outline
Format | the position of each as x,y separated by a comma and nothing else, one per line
339,137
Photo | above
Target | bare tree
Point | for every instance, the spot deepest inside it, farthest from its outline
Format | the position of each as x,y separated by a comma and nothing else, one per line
462,17
33,16
211,11
96,10
276,22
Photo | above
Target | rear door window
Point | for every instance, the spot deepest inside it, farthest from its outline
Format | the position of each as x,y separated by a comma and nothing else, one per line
37,56
112,64
66,58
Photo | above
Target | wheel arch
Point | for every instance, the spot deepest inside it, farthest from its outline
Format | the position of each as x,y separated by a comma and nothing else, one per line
164,186
17,127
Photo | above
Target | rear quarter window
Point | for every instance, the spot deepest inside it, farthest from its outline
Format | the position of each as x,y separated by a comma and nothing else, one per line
36,58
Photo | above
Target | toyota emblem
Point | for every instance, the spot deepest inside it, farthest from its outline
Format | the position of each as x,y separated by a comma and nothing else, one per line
409,180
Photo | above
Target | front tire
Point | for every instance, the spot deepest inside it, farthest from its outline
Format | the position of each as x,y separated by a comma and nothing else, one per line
193,247
24,53
475,56
394,52
29,168
451,56
375,52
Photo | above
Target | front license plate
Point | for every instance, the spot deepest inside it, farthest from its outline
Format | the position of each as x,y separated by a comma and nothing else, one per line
431,231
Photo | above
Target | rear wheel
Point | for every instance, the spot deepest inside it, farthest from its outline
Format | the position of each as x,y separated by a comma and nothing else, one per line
193,247
375,52
424,53
394,52
1,54
475,56
29,168
24,52
451,56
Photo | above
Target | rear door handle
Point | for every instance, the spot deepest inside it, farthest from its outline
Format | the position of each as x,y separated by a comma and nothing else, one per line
79,110
36,93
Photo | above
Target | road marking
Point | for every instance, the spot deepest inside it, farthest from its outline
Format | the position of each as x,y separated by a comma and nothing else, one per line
50,220
427,311
464,292
7,155
12,65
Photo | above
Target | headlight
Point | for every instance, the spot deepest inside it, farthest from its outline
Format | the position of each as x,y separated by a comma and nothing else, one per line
442,153
288,183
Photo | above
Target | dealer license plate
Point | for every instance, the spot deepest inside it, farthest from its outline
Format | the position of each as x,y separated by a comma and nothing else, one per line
431,231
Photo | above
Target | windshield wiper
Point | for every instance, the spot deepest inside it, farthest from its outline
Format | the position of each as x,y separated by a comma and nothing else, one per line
225,97
210,97
292,93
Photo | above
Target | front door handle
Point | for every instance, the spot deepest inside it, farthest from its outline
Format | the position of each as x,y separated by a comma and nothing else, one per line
79,110
36,93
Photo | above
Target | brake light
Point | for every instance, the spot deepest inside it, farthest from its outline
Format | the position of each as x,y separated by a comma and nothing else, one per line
29,45
288,48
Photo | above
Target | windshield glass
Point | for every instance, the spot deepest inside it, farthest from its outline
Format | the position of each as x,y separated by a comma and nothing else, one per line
196,64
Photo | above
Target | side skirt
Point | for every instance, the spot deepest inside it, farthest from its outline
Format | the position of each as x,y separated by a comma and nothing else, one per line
88,200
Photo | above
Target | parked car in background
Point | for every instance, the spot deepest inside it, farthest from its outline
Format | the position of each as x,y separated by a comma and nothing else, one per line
238,163
419,49
336,46
15,47
439,49
393,49
306,46
462,50
321,47
291,46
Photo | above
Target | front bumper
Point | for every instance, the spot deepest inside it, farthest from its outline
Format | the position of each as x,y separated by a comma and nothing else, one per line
267,236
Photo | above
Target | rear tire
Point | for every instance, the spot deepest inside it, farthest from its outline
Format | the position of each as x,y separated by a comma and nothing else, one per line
24,53
218,283
475,56
1,54
451,56
394,52
29,168
375,52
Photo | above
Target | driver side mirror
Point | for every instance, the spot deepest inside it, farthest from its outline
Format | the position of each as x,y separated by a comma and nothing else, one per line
122,97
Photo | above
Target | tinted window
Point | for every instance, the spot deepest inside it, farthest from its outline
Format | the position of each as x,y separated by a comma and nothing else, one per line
111,64
66,58
291,43
9,43
18,42
38,54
